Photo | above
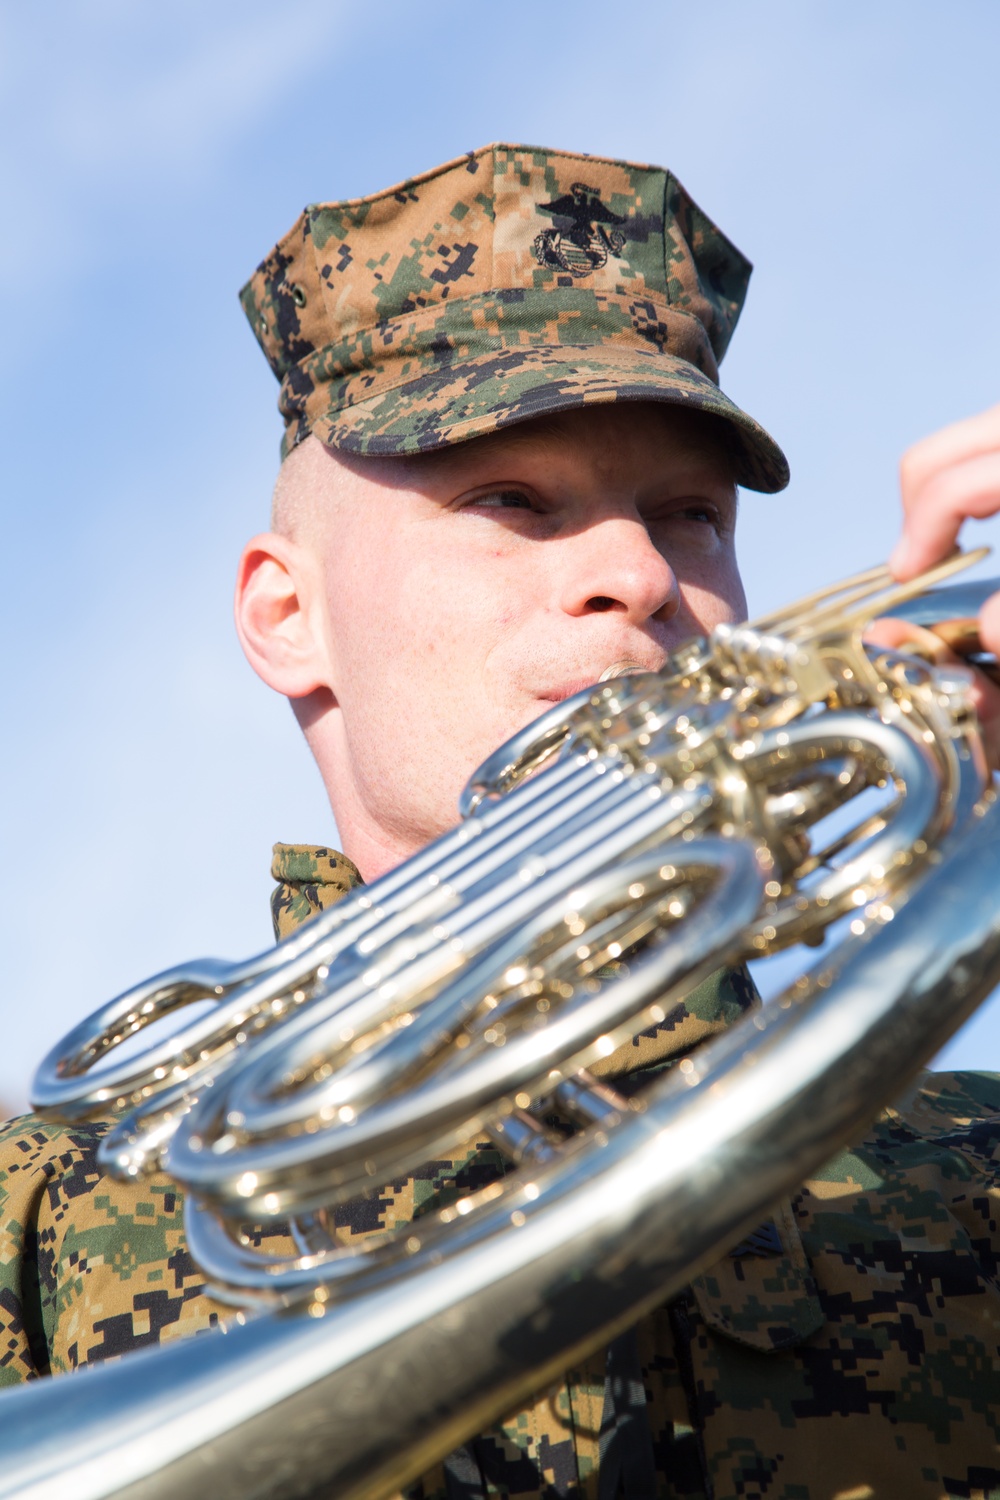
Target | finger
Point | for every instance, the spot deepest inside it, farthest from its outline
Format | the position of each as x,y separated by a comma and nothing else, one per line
969,438
989,624
903,635
931,526
986,702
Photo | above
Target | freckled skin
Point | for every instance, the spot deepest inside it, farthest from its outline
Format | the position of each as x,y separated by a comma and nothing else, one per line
457,595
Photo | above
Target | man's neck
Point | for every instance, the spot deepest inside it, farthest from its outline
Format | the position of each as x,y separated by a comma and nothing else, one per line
374,850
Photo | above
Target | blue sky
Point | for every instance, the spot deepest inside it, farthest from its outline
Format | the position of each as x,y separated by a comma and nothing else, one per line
152,156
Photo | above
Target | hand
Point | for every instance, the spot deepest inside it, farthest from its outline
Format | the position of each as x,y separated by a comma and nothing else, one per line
946,477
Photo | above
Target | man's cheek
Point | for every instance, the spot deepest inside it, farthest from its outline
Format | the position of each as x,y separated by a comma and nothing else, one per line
699,614
467,620
714,598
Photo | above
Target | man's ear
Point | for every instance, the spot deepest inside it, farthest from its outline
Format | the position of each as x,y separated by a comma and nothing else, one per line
279,615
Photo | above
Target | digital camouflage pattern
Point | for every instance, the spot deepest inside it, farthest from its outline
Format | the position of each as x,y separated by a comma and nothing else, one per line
309,879
510,283
848,1349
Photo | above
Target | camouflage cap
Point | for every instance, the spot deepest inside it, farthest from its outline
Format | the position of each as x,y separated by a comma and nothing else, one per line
511,283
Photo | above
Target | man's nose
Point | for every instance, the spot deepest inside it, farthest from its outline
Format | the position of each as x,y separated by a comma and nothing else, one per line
615,566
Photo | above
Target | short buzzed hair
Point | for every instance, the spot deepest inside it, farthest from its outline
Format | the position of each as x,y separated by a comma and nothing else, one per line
297,490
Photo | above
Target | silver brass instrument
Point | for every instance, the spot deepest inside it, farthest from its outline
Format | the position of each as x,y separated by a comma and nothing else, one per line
772,785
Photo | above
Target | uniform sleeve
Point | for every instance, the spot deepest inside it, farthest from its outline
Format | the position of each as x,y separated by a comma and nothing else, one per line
30,1156
90,1268
958,1114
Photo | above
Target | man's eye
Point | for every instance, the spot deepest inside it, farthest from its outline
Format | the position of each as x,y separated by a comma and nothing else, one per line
701,511
505,500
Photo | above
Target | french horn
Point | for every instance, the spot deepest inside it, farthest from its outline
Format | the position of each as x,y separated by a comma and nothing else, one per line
781,783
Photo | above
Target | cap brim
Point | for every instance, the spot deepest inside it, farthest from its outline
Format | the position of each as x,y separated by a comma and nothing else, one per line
472,397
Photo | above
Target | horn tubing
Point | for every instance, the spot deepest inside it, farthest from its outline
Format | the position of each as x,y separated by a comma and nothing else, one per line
303,1399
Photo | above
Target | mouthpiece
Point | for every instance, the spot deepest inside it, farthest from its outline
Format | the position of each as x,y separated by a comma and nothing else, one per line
621,669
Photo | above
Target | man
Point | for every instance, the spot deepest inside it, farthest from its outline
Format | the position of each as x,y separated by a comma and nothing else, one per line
508,468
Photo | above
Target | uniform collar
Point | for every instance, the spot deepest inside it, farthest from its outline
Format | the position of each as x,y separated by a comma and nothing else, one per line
762,1295
313,877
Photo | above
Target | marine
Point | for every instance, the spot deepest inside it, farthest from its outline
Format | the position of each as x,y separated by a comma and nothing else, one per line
508,466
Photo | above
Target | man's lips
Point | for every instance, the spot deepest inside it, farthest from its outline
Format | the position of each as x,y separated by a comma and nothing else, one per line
560,694
622,668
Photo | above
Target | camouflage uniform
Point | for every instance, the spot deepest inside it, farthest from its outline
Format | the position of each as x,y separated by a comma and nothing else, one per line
850,1347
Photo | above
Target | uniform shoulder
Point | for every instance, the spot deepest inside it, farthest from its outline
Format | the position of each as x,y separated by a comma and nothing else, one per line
946,1125
939,1104
37,1156
90,1267
28,1142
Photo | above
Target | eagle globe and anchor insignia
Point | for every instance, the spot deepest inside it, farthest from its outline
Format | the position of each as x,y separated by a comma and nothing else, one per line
583,234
